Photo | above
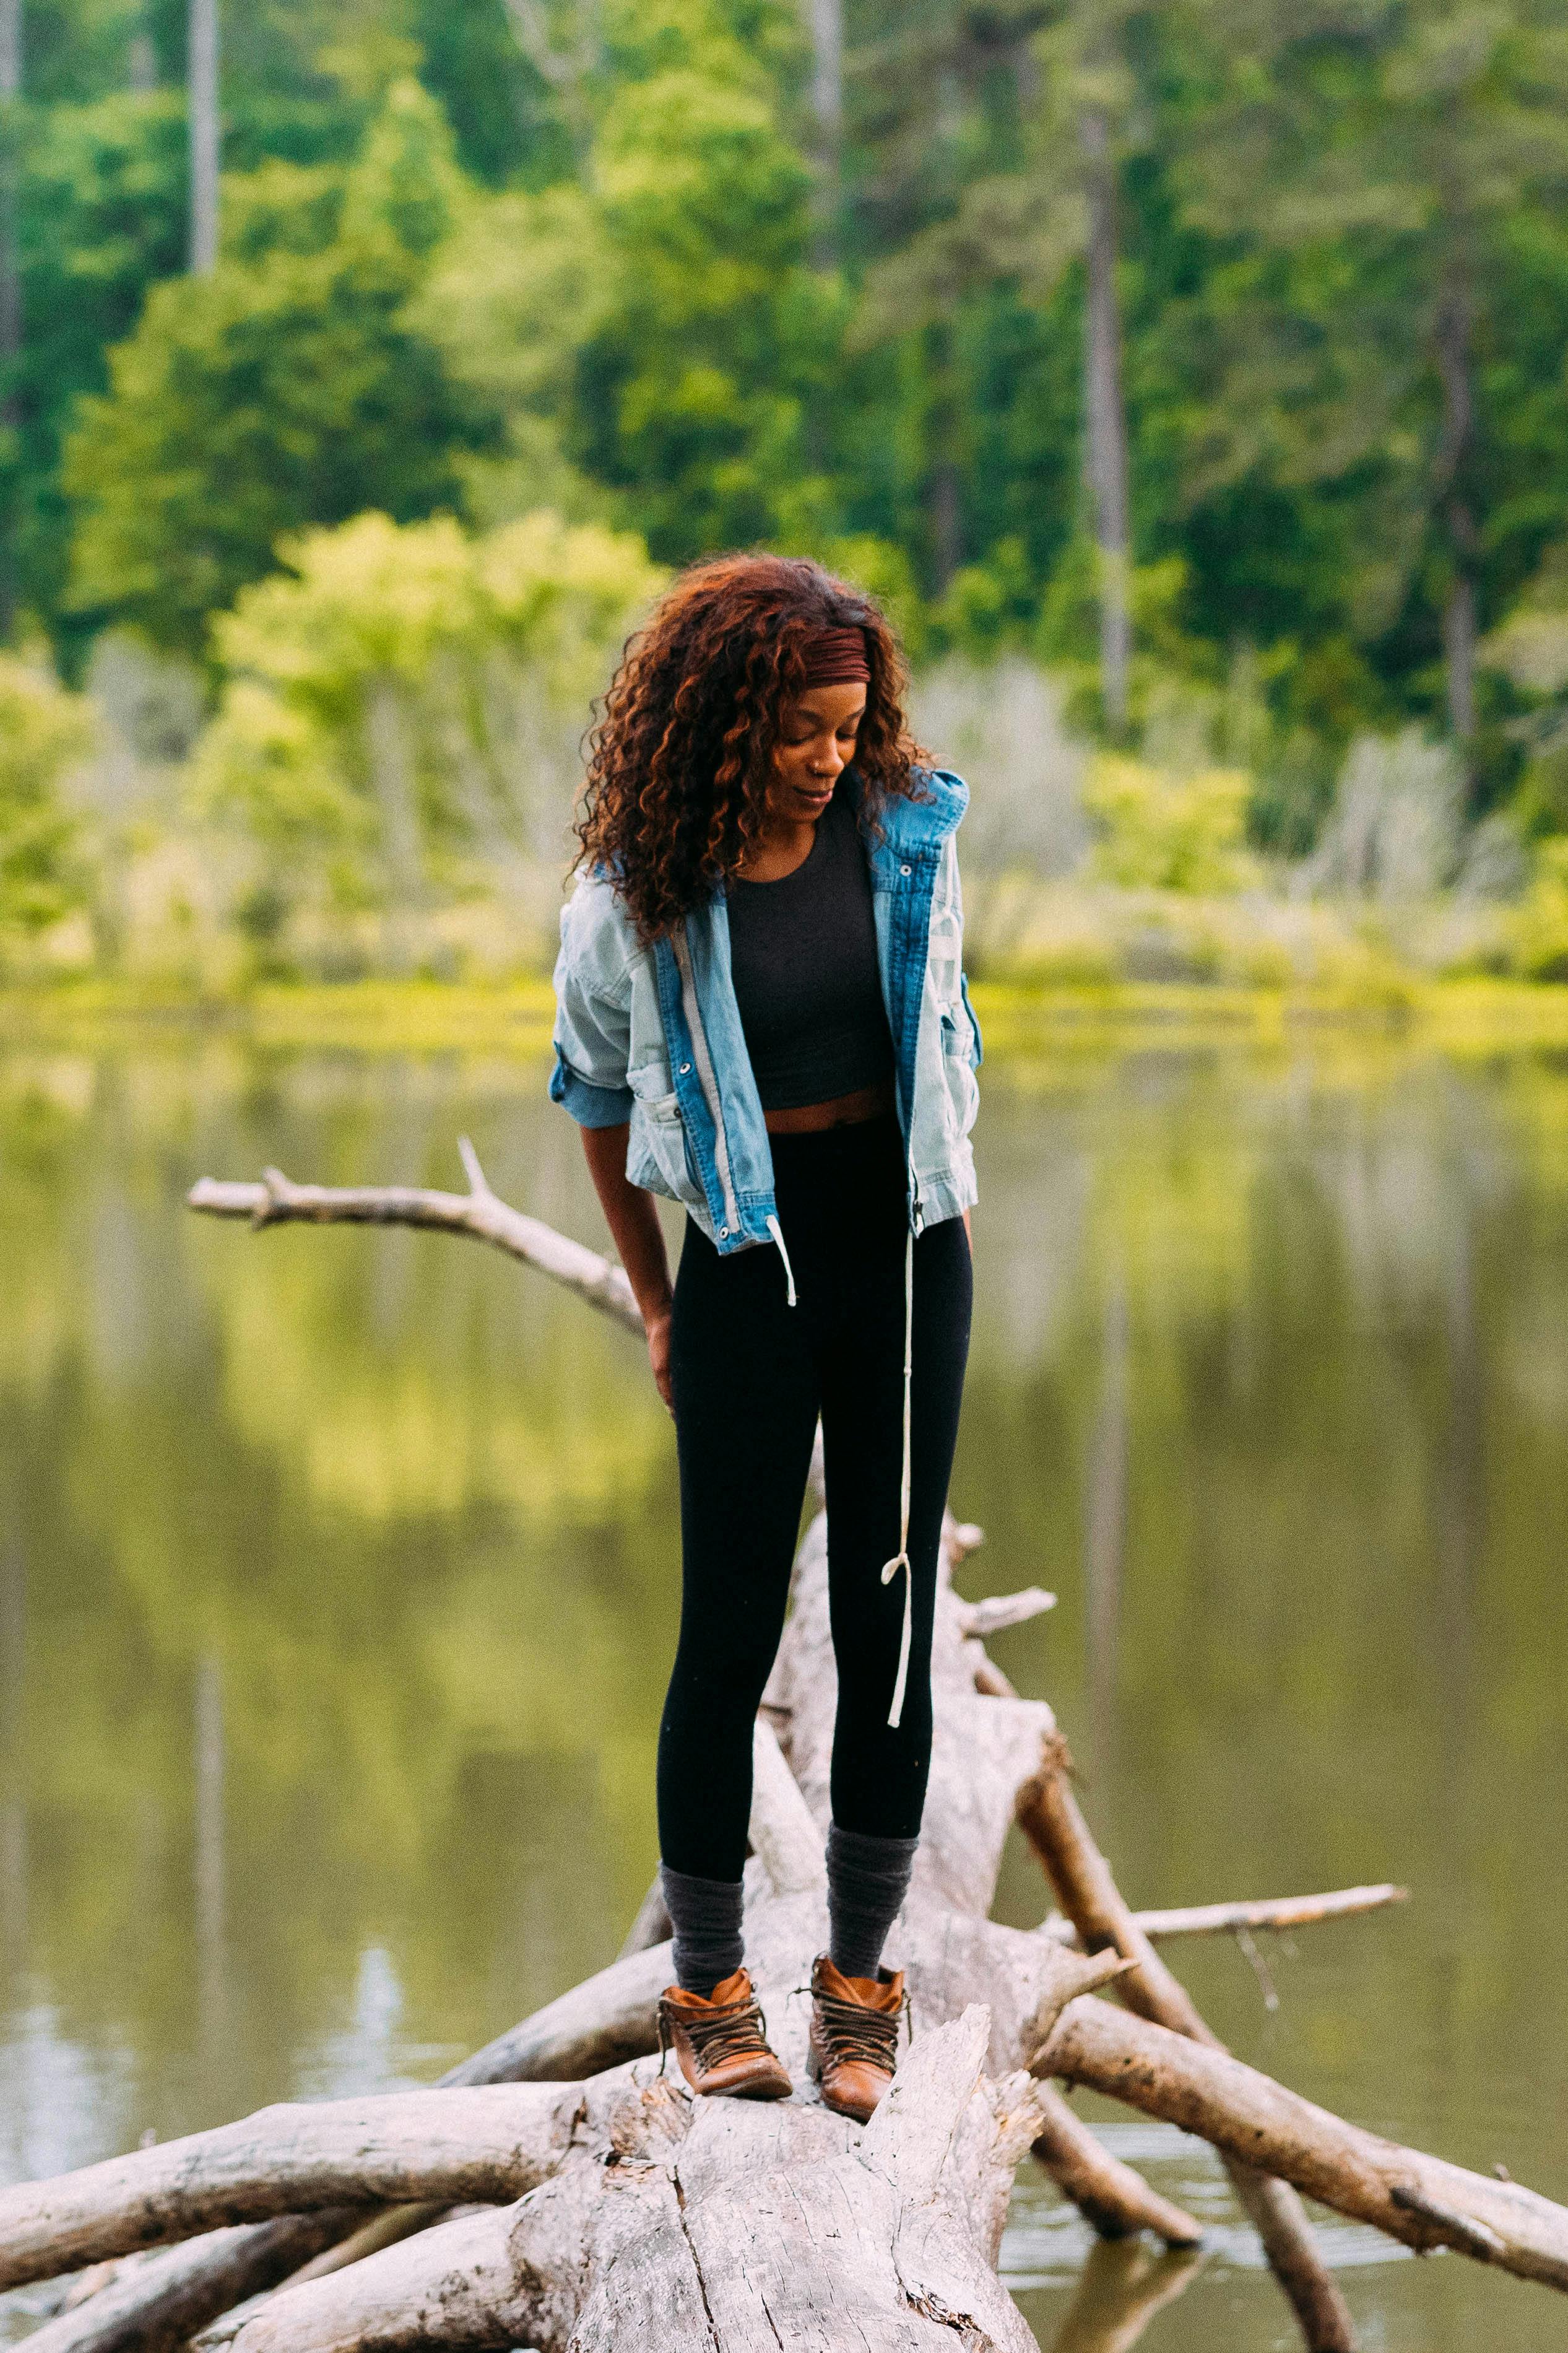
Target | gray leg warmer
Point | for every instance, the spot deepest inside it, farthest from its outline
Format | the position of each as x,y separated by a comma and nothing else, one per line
706,1917
867,1881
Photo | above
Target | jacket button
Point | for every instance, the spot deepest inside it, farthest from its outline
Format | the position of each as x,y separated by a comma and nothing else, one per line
686,1069
905,869
723,1233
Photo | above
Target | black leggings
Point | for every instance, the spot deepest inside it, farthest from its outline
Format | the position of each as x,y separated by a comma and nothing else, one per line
750,1376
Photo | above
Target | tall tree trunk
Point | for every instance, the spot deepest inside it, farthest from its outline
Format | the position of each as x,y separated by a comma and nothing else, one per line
824,23
1453,354
1105,421
202,83
10,285
141,62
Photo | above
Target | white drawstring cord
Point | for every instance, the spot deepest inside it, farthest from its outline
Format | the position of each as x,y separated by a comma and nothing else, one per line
901,1557
777,1233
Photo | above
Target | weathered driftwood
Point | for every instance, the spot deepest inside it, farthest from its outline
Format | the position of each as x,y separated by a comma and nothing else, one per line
487,2143
1422,2201
1052,1820
713,2224
731,2225
1232,1919
154,2304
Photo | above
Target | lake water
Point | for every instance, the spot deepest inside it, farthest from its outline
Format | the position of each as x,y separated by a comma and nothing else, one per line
338,1576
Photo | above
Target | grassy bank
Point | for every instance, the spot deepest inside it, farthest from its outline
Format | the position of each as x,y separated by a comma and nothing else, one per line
1018,1019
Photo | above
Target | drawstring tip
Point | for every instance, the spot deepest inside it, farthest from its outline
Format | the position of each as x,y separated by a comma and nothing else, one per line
777,1233
902,1560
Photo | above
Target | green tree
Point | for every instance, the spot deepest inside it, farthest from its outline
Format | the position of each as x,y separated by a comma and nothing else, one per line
1365,174
405,696
42,731
280,390
658,326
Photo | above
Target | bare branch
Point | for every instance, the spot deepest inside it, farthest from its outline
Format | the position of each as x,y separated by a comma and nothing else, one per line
1421,2199
1115,2200
1228,1919
277,1200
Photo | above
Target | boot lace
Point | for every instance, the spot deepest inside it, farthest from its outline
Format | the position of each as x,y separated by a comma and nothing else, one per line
852,2032
736,2031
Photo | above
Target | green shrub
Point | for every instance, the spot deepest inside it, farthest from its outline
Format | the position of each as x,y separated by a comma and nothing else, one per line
1168,833
43,730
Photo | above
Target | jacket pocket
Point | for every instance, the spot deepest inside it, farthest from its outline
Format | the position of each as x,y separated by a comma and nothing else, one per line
657,1157
961,1085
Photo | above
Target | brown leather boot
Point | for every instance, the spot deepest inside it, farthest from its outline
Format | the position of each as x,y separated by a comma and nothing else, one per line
721,2040
854,2036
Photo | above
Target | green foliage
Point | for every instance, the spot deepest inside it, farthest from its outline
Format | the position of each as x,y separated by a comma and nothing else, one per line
283,389
390,698
656,329
43,730
596,256
1159,832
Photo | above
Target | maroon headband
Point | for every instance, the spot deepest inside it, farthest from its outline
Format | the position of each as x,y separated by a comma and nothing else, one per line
836,658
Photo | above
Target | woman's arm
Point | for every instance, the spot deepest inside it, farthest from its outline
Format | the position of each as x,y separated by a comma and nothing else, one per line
639,1237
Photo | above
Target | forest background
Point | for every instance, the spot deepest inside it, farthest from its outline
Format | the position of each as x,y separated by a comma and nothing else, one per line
1191,382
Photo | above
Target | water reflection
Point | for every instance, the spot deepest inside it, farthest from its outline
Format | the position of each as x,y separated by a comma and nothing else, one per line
337,1577
1120,2288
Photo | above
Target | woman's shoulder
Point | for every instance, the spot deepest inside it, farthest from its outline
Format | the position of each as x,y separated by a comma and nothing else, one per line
597,935
932,813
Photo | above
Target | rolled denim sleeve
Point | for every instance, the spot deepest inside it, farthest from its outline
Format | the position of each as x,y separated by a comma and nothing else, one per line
592,1017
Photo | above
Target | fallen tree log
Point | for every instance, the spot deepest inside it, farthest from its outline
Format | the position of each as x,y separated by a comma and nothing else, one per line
157,2304
1422,2201
665,2218
1052,1820
489,2145
719,2225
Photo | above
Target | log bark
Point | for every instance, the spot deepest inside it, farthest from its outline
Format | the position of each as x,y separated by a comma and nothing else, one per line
1111,2196
1420,2199
719,2225
1051,1820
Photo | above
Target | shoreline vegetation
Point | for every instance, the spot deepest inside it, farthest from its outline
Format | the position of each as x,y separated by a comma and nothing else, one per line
1020,1019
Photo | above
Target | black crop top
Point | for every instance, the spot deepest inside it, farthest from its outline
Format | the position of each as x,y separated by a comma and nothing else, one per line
804,954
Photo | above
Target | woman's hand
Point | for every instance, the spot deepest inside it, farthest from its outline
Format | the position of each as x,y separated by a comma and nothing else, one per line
634,1221
656,1326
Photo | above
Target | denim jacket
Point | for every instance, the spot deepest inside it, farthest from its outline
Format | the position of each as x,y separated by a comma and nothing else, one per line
653,1035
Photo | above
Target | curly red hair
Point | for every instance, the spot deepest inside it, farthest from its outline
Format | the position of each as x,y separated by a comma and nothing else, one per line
680,759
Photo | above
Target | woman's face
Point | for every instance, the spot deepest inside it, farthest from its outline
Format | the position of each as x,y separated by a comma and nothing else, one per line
815,744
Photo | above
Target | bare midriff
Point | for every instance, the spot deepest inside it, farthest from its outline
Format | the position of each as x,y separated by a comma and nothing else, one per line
843,1110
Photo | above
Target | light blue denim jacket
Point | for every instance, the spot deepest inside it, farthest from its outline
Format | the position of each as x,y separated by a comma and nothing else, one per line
653,1035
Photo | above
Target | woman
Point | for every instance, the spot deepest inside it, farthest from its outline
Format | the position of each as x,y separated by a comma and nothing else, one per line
762,1015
